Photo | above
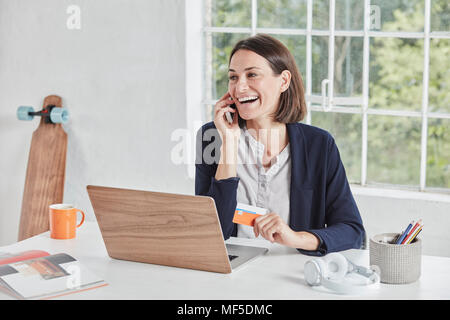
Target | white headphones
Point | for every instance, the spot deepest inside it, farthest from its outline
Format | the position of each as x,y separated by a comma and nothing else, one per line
331,272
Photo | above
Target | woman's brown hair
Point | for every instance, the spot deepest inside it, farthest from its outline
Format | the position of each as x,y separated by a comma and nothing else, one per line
292,107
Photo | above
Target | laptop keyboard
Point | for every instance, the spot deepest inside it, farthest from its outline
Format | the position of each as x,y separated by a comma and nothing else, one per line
231,257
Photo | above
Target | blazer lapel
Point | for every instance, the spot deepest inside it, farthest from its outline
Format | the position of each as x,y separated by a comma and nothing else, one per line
301,187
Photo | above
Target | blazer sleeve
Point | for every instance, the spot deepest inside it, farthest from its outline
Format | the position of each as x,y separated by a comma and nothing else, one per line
222,191
344,228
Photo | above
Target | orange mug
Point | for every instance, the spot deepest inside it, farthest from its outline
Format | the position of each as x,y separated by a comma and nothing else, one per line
63,221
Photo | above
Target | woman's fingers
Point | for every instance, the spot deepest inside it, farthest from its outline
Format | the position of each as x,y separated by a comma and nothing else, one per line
222,124
220,105
256,225
227,131
271,229
226,98
262,222
221,111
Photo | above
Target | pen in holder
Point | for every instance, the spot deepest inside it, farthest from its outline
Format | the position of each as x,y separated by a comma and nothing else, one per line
398,264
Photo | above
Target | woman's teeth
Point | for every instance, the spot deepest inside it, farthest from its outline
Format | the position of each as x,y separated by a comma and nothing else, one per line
248,99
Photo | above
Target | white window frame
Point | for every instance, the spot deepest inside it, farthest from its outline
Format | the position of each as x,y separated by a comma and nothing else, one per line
335,104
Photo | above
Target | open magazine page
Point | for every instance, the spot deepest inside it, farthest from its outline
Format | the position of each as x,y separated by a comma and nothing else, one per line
47,276
6,257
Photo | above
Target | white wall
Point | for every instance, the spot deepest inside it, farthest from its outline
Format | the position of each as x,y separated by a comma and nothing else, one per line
122,77
390,211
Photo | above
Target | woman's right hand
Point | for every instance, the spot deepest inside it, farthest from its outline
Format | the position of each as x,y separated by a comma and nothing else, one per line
229,133
226,130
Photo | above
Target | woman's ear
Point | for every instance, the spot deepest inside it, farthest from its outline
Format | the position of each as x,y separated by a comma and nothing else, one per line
285,80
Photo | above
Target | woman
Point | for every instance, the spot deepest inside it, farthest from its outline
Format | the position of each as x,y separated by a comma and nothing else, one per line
266,158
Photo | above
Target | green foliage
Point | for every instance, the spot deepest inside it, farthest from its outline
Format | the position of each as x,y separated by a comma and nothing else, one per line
439,80
438,151
278,14
346,130
231,13
396,74
396,79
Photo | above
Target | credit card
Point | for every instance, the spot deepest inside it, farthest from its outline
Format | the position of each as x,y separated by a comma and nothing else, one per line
246,214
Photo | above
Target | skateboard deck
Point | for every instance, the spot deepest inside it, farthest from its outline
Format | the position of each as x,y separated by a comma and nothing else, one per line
44,182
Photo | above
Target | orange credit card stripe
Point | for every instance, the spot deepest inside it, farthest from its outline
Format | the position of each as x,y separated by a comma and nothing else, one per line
245,217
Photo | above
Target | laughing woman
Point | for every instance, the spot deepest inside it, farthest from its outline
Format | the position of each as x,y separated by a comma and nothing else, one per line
264,157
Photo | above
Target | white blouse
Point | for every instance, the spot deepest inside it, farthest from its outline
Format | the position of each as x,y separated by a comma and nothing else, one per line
257,187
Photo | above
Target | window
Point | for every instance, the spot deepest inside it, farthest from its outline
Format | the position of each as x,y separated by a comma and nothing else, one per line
376,74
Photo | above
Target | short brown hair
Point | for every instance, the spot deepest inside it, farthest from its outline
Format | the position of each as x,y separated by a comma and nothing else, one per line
292,107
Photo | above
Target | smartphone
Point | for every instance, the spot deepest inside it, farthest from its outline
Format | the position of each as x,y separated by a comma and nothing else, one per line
230,115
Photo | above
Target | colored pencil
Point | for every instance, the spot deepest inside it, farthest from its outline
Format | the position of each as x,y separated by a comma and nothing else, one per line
399,241
415,234
410,234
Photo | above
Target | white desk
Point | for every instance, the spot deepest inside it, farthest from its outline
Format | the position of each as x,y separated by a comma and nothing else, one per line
277,275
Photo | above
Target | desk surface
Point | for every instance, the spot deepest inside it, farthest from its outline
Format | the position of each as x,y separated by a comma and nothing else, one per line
276,275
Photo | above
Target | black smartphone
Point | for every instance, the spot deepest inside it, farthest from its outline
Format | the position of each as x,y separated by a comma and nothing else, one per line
230,115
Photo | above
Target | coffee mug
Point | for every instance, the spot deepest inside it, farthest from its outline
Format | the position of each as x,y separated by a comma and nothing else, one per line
63,221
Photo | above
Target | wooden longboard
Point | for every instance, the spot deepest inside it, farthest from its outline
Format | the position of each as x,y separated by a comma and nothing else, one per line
44,182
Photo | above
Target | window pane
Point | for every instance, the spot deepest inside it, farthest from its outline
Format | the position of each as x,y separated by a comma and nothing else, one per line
440,15
400,15
209,112
348,65
282,14
439,78
438,153
228,13
396,71
393,150
349,15
319,59
297,46
222,44
346,130
320,14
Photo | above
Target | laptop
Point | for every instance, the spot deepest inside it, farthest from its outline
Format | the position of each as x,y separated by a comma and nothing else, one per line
165,229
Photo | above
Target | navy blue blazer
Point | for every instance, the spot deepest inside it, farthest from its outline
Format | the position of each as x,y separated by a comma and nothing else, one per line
320,198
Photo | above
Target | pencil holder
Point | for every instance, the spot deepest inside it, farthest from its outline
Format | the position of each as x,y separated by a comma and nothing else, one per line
398,263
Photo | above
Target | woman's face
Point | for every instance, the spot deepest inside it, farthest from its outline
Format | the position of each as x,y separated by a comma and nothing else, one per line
253,86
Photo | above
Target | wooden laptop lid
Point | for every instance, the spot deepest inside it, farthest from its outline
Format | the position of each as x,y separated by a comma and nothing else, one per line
160,228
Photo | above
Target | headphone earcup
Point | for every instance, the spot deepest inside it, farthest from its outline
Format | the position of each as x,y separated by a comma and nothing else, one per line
330,272
336,266
313,271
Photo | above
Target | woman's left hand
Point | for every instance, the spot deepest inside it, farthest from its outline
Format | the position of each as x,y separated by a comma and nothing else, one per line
274,229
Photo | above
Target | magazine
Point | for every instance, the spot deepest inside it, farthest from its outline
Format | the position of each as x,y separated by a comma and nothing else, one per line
35,274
